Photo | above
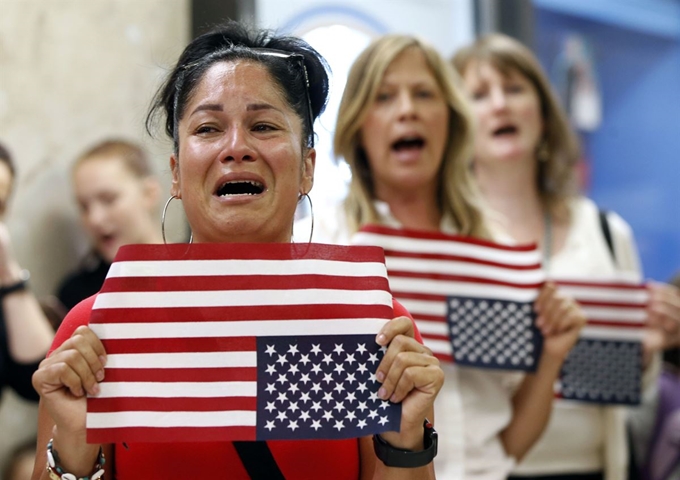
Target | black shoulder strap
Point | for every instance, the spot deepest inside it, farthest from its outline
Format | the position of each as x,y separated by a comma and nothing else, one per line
258,460
606,231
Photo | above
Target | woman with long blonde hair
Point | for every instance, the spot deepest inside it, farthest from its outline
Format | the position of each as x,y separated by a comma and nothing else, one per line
405,130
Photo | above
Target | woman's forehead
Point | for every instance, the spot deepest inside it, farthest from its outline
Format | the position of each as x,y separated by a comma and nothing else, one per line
483,71
237,80
497,65
104,168
410,64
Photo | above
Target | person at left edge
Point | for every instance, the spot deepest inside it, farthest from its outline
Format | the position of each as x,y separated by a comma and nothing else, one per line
25,333
240,112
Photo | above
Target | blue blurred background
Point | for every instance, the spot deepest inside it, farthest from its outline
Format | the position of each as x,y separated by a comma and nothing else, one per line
633,158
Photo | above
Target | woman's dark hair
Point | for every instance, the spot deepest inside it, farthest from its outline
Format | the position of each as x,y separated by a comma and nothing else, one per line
300,71
6,158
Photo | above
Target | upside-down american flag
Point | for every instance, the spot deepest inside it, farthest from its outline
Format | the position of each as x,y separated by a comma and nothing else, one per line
471,299
605,365
241,342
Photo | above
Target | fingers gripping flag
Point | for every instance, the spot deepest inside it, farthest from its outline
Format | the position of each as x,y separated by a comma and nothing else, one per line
241,342
471,299
605,365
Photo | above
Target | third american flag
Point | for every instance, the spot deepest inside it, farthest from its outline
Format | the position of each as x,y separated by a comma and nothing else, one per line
605,366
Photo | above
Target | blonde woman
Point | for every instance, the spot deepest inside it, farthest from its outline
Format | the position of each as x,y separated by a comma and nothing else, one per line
405,131
118,200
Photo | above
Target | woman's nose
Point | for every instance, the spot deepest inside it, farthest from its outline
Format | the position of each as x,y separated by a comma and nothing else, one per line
405,105
498,99
237,146
96,215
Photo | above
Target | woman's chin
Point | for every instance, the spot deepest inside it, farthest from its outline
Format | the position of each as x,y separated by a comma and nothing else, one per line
243,230
508,156
108,252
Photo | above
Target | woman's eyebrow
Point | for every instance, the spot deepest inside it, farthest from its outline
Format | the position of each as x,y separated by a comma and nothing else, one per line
216,107
213,107
261,106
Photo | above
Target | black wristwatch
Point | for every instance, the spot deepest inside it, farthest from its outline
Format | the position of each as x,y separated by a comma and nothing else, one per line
16,286
397,457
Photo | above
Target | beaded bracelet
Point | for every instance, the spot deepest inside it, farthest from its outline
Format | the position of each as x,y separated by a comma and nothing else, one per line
55,472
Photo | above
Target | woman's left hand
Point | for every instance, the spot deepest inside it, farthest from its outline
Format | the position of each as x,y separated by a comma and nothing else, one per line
410,374
663,313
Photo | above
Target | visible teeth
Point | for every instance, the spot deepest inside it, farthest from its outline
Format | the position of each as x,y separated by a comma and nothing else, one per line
257,184
238,187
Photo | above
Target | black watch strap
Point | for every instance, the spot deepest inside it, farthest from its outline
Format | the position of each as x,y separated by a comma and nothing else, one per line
16,286
397,457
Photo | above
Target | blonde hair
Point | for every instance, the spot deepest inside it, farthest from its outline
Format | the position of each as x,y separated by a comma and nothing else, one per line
457,196
556,175
132,155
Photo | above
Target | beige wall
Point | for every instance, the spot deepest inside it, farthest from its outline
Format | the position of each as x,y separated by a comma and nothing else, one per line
73,72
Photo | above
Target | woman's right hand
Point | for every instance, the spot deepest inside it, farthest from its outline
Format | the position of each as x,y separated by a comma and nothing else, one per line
67,375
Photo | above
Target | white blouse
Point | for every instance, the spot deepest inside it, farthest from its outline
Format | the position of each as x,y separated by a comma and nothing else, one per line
472,407
582,437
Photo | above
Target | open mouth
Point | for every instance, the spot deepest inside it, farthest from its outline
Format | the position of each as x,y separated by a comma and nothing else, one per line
105,239
408,143
240,187
506,130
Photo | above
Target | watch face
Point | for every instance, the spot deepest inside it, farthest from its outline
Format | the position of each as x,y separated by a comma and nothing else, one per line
24,275
434,436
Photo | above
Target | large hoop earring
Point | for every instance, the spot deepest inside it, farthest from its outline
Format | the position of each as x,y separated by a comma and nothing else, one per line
311,211
165,211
